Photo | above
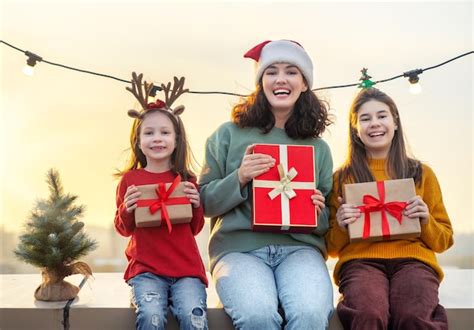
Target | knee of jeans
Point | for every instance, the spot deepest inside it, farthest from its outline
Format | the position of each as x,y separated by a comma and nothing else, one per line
149,299
198,318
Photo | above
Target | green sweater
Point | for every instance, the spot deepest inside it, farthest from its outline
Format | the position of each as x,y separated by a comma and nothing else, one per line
230,207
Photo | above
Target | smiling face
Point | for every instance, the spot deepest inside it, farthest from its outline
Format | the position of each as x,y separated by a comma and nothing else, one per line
157,141
282,85
376,128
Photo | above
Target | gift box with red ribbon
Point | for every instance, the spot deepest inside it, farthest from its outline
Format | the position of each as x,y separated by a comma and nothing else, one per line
163,202
381,204
282,196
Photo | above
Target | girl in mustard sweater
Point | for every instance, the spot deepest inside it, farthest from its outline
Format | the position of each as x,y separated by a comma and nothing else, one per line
387,284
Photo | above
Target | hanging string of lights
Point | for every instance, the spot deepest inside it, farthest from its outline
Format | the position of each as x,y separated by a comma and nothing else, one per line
412,75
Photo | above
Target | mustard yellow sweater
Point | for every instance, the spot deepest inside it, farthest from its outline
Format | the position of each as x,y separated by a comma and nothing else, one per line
436,235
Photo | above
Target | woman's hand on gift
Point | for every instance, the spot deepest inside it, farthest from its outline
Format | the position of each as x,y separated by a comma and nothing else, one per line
417,208
253,165
131,197
192,194
318,201
346,214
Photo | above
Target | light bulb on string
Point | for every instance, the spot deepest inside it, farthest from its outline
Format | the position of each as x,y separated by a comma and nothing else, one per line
28,70
415,87
30,63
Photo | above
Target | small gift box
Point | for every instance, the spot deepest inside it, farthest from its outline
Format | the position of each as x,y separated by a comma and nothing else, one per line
282,196
163,202
382,204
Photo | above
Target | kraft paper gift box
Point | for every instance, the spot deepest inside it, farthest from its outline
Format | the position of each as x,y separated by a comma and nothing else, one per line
381,204
163,202
282,196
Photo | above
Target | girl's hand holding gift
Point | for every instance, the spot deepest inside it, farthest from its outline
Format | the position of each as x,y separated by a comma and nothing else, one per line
192,193
131,197
417,208
346,214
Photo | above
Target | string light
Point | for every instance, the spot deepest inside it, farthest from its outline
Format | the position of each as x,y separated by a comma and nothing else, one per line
30,63
412,74
415,87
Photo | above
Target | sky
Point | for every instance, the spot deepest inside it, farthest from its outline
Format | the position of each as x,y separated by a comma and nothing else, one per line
77,123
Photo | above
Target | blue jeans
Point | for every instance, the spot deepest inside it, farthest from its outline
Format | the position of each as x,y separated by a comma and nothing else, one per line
186,296
252,285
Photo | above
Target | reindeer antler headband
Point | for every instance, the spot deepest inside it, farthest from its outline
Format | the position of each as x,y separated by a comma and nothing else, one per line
142,92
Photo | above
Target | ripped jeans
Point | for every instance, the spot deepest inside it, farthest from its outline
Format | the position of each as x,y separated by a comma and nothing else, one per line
186,297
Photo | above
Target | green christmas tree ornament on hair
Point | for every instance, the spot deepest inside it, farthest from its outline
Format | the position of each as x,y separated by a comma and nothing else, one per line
365,80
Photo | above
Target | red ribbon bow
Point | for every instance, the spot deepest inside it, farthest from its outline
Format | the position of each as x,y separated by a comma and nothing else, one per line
164,200
158,104
372,204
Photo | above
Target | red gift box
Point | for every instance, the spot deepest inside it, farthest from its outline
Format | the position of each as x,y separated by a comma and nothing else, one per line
282,196
163,202
381,204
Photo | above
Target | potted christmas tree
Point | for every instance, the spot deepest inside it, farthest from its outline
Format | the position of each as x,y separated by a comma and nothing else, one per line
54,240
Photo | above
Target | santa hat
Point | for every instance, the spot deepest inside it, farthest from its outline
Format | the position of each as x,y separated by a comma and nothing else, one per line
281,51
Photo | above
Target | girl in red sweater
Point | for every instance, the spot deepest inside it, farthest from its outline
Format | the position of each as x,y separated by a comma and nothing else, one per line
164,265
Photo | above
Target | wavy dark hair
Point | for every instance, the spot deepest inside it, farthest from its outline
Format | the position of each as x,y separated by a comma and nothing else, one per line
180,158
308,119
399,164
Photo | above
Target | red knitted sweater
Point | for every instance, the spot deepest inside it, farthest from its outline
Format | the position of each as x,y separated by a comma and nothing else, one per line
153,249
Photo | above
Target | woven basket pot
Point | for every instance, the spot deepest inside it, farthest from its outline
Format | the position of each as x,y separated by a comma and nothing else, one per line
54,288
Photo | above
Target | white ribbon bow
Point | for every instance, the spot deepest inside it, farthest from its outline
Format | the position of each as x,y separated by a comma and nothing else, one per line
285,183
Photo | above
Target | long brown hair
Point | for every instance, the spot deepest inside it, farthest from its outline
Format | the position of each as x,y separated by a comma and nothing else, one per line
356,167
308,119
180,158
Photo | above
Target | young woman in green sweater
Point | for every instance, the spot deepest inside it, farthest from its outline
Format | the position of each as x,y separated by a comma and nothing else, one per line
257,272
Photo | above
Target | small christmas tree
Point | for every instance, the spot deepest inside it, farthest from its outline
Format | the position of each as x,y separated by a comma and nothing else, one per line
365,80
54,239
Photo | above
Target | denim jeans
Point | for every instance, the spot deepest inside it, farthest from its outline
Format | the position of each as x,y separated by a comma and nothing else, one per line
253,285
152,294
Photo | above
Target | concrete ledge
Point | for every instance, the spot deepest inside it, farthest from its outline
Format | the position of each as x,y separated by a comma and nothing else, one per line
104,303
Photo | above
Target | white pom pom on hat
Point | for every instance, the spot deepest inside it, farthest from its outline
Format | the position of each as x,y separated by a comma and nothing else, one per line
281,51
